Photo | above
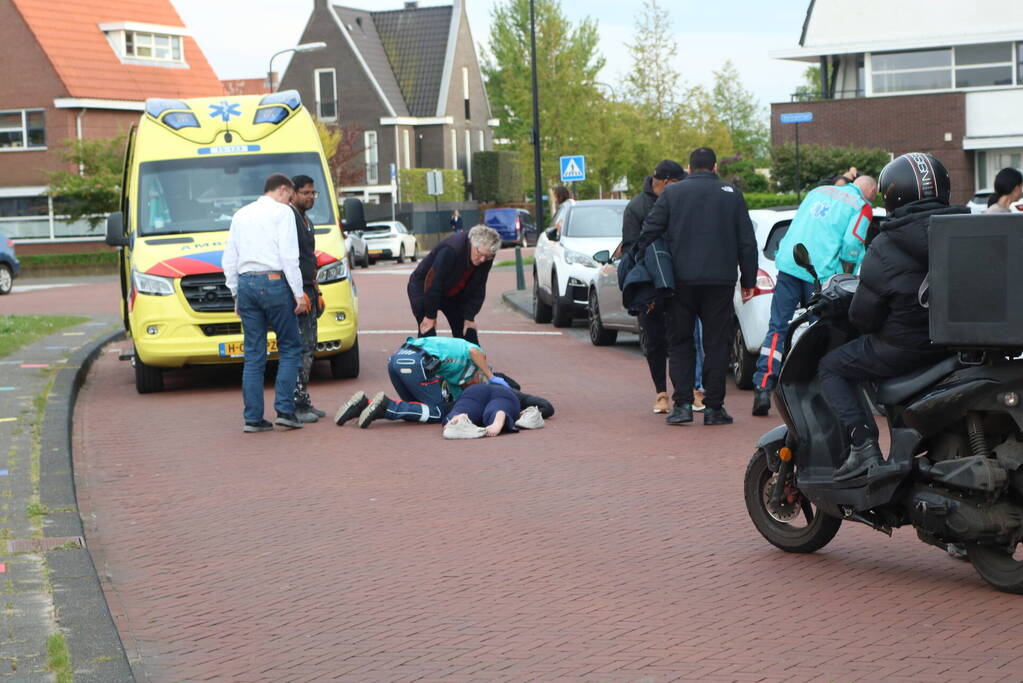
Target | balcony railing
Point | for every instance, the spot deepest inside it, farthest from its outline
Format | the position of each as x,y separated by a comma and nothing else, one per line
816,97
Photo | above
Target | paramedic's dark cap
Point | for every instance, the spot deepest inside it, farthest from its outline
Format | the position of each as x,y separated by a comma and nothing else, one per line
669,170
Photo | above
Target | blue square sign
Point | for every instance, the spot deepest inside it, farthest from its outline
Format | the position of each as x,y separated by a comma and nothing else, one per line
573,169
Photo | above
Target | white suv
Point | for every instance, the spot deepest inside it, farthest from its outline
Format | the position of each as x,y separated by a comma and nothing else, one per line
563,265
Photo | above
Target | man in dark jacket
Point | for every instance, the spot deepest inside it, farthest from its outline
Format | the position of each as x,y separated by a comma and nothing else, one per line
304,198
886,307
453,279
707,227
655,333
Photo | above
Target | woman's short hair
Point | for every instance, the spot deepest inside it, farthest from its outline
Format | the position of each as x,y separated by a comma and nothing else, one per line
485,237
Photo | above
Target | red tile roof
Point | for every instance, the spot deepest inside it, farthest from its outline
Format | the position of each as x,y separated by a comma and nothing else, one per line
69,33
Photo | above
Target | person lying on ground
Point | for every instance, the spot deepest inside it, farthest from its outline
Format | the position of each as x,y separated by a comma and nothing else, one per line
495,407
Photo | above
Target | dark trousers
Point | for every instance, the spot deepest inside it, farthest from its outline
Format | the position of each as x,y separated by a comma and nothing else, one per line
482,402
789,293
307,330
865,358
452,310
712,305
655,345
423,399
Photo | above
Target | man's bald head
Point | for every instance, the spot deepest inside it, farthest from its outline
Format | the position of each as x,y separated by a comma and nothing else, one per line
868,186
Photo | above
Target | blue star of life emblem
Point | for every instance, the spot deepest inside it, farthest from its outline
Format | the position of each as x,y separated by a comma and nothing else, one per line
819,210
225,110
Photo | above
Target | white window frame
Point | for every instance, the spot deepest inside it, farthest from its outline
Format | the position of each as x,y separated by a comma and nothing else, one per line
152,36
468,155
372,156
406,147
319,99
952,68
454,148
23,129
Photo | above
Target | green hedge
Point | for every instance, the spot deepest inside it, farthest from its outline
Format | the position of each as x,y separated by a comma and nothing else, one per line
412,182
498,177
92,258
817,162
766,200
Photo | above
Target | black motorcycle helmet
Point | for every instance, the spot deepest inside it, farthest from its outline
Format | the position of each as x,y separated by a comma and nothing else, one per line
911,177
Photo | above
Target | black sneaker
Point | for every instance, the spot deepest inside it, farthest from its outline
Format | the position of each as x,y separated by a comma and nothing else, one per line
761,402
289,420
351,408
261,426
716,416
681,413
376,409
317,412
306,415
859,461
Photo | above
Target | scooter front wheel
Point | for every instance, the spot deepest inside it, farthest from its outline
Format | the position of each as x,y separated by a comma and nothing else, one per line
795,524
1000,567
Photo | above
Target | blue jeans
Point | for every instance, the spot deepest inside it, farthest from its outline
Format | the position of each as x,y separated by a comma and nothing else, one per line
264,304
423,399
789,293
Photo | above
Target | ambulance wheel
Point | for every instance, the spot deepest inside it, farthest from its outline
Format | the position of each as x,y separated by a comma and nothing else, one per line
346,365
148,380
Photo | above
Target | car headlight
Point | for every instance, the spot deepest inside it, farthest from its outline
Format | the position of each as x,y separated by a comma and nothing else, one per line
154,285
332,272
580,259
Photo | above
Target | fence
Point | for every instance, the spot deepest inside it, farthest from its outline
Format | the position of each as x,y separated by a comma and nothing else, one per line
429,224
34,228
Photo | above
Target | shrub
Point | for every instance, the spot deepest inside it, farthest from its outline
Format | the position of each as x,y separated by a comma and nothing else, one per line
766,200
742,173
412,182
818,162
498,177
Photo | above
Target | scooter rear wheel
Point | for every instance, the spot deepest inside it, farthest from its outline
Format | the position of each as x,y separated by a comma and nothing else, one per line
998,566
797,526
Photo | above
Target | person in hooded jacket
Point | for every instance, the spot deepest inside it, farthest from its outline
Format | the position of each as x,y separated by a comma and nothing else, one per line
886,307
651,321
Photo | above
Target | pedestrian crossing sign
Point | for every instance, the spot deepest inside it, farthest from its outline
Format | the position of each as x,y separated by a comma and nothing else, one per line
573,169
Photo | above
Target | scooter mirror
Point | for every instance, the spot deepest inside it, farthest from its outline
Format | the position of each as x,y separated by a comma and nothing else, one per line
802,258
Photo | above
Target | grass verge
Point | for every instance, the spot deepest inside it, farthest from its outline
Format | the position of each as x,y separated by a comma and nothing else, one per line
58,659
19,330
94,258
526,261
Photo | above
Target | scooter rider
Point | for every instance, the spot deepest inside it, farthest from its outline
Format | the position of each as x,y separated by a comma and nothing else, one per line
886,307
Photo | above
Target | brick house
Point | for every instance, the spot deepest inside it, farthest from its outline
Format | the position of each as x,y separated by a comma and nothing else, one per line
81,70
939,76
409,79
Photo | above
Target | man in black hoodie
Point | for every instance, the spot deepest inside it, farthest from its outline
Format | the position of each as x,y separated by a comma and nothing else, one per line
652,322
886,307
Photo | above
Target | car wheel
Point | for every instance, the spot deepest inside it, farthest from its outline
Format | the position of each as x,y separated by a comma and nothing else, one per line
6,279
401,254
743,363
345,365
561,313
365,259
599,336
148,380
541,311
415,252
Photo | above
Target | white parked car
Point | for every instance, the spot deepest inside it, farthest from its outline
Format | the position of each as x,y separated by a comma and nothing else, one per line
390,239
355,247
563,265
607,315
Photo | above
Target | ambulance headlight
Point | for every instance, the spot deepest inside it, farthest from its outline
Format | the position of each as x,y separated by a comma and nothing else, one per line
154,285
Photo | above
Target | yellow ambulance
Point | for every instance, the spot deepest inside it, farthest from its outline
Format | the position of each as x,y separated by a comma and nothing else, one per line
189,165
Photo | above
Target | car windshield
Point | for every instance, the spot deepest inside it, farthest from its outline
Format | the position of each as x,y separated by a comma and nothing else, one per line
202,194
595,221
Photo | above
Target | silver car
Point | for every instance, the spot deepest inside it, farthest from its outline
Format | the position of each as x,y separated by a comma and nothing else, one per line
355,247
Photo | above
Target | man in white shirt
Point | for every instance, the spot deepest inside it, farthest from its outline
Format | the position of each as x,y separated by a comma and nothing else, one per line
261,268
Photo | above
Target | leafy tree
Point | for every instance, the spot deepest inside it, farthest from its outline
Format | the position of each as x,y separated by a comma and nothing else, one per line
93,189
741,113
811,86
567,65
818,162
342,145
652,83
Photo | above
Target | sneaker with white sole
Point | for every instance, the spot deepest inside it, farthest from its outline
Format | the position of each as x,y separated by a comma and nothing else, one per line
376,409
463,428
351,408
530,418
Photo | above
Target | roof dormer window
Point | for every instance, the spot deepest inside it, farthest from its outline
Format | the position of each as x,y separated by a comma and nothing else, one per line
146,44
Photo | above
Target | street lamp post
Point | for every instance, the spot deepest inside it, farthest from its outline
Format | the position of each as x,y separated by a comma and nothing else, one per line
304,47
537,179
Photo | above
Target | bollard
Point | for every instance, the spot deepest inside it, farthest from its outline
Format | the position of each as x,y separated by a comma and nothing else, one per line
520,276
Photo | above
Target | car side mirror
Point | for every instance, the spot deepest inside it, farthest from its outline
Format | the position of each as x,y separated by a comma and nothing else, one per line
602,257
115,230
552,233
355,217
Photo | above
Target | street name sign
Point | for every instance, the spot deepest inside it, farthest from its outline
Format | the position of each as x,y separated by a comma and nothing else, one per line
797,117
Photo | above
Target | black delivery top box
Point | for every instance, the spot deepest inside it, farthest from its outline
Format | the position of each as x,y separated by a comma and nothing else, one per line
976,280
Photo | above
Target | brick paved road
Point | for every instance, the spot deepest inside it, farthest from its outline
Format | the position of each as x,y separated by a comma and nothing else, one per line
608,546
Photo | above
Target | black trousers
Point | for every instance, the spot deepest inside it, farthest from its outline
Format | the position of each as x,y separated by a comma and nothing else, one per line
865,358
655,345
712,304
452,310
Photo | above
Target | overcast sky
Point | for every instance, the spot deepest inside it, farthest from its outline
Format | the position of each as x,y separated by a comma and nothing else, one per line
238,36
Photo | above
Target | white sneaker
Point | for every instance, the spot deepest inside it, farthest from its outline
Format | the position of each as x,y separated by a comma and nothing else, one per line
530,418
462,428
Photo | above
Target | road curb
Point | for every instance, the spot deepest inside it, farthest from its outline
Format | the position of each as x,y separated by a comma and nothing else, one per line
97,653
520,300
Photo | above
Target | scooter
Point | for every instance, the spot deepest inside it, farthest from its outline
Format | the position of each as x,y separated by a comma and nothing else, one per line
954,467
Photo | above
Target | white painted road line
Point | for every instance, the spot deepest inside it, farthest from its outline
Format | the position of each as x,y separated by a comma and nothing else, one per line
537,333
21,289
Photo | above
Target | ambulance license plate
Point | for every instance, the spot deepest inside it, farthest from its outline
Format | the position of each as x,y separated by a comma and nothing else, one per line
237,349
